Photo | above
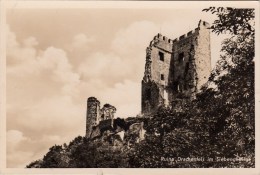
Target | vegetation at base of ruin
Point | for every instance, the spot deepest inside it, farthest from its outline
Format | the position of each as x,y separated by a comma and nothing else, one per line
220,122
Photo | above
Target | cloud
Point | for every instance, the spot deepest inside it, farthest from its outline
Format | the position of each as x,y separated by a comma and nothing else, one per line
11,39
15,136
125,95
108,67
133,38
51,121
30,41
18,53
81,40
22,150
56,61
130,93
41,111
51,65
126,58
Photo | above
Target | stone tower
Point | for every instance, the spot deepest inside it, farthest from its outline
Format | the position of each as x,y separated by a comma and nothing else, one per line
176,69
93,113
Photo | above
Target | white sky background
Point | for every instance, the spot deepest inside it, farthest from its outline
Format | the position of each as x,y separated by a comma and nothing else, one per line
57,58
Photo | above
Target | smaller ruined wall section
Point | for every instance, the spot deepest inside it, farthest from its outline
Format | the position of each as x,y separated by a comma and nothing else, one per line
96,115
202,54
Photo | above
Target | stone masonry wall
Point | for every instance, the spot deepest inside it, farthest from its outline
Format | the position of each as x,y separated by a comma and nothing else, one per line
184,76
202,54
161,45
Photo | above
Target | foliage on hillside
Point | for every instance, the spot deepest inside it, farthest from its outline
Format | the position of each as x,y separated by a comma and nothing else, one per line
220,122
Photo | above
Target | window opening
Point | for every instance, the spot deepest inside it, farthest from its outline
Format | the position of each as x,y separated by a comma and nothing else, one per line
148,94
181,57
162,77
161,56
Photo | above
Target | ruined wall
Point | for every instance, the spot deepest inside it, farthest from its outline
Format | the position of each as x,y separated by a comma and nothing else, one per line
108,112
95,115
122,132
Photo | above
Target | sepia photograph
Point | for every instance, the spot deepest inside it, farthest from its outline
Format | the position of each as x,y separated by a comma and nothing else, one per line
130,85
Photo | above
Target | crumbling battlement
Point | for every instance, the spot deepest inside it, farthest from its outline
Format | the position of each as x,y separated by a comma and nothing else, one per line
176,69
162,42
192,32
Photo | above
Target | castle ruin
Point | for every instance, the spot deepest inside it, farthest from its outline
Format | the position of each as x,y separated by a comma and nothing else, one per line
175,70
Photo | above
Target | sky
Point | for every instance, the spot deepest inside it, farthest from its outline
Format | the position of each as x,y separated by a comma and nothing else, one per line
57,58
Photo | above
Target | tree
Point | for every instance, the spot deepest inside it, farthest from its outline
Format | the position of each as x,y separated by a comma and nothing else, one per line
55,158
236,21
233,78
35,164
